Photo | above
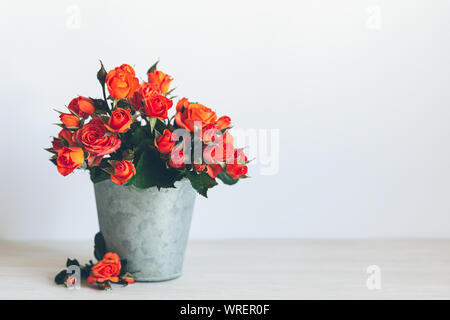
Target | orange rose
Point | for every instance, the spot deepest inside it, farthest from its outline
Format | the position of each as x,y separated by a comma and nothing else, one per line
123,171
108,269
182,104
165,144
69,120
121,82
120,120
145,91
177,158
69,159
92,137
82,106
161,80
190,113
156,106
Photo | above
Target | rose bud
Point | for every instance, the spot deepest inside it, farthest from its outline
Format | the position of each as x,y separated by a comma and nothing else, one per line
223,122
120,120
82,106
69,120
121,82
69,159
213,170
236,171
165,143
177,158
123,171
199,167
57,144
160,79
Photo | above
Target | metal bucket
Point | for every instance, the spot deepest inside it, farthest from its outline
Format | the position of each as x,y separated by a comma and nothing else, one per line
149,228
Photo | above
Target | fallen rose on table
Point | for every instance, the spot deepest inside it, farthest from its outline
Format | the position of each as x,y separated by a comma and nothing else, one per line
109,269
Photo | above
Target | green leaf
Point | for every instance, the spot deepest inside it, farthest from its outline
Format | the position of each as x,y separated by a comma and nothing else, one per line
123,103
201,182
151,171
227,179
160,126
100,105
98,175
99,246
153,67
60,277
53,160
51,150
139,135
71,262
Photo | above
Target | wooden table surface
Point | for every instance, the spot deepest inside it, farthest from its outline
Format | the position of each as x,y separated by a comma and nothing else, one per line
248,269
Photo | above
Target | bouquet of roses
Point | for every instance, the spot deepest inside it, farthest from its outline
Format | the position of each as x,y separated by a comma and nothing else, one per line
128,136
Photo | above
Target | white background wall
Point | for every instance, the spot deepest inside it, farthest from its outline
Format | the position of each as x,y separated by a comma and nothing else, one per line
362,104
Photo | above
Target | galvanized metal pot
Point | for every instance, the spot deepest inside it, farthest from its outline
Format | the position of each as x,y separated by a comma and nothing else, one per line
148,227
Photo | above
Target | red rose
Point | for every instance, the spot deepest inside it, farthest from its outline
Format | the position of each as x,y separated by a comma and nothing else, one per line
120,120
236,171
92,137
108,269
156,106
123,171
145,91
